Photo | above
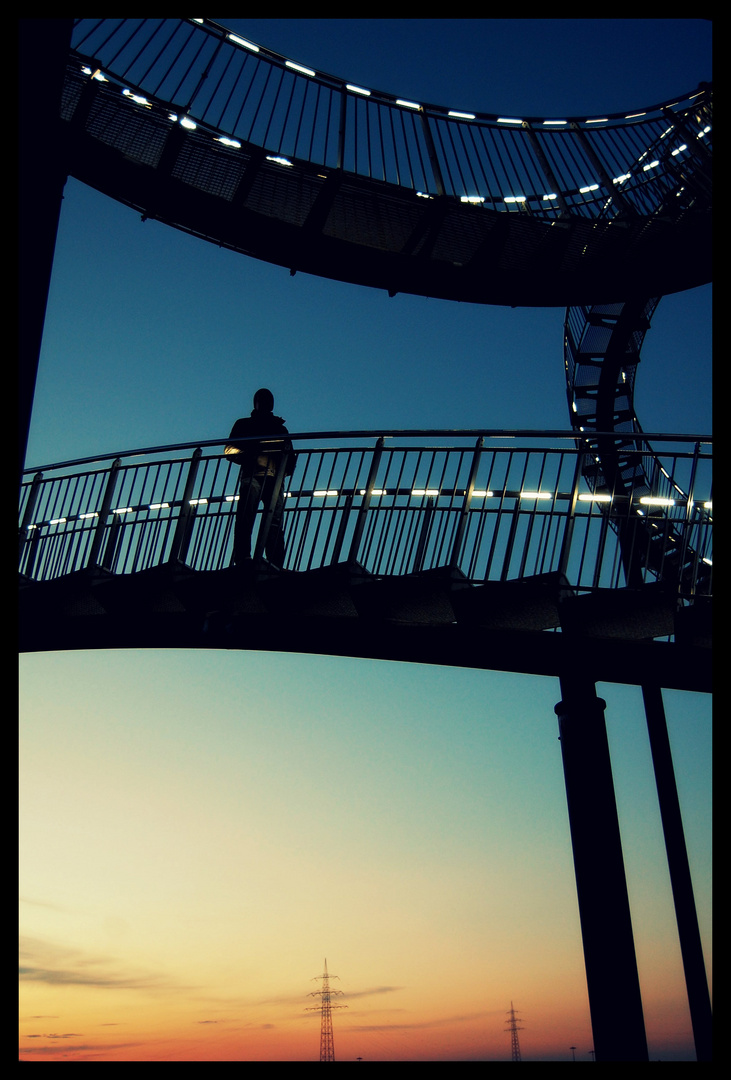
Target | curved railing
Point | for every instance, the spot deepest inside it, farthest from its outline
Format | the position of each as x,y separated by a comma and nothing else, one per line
488,507
234,143
237,91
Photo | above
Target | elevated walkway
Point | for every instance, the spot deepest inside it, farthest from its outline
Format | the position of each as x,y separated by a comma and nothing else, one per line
432,617
492,549
356,185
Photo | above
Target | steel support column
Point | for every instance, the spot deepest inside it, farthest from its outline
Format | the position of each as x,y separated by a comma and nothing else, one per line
606,927
691,947
43,46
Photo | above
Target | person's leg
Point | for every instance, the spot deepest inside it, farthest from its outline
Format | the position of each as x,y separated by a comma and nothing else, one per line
249,494
274,546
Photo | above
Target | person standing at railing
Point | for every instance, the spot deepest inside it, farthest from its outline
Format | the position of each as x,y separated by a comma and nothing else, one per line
259,462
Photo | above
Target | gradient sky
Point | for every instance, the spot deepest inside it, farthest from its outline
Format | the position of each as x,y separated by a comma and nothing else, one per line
199,831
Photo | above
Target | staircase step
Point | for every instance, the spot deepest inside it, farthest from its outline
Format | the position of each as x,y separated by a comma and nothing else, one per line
423,599
530,603
630,614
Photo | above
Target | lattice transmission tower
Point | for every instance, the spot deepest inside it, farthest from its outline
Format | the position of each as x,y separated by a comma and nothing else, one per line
514,1027
327,1048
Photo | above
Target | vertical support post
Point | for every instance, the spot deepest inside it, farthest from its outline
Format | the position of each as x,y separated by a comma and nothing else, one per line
510,544
610,188
423,536
181,539
691,948
363,511
687,528
340,538
43,45
569,528
609,954
464,512
553,184
104,514
431,151
28,514
340,163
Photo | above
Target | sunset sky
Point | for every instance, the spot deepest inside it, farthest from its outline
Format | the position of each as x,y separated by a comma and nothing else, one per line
199,832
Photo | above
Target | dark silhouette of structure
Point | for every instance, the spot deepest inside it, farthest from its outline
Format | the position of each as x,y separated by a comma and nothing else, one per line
235,144
327,1046
514,1027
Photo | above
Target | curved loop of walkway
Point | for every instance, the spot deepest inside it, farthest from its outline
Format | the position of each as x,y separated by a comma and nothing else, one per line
254,151
602,344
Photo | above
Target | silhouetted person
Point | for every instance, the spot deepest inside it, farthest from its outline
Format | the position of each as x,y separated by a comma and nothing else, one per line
259,463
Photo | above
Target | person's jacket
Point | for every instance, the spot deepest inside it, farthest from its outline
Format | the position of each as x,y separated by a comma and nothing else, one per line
260,458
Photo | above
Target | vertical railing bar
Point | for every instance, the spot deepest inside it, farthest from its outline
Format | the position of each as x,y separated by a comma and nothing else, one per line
498,512
104,512
532,518
570,518
428,513
272,111
370,484
252,77
344,515
30,506
340,160
186,73
432,154
686,531
181,536
332,509
310,512
323,511
513,524
463,515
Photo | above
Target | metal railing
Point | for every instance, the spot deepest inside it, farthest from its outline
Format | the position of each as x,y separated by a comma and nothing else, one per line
196,73
490,506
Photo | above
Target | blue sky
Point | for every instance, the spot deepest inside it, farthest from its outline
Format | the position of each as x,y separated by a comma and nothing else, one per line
402,811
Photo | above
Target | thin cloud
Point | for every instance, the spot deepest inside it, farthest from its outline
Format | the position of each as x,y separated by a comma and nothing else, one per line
44,962
86,1048
425,1024
373,990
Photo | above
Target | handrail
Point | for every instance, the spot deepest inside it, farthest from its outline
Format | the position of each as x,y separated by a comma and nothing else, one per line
387,433
499,511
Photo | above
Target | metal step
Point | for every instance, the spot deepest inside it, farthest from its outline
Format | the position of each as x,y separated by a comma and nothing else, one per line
530,603
423,599
629,614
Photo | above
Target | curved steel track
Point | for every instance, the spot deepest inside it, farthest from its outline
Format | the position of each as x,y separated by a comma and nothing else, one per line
602,346
235,143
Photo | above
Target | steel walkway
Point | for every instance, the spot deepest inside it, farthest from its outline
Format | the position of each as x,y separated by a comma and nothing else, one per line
395,548
227,140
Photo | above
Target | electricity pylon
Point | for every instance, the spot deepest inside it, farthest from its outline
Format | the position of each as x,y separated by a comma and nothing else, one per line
327,1049
513,1027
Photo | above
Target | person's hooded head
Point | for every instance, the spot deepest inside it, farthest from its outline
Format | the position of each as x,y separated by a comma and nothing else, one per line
264,401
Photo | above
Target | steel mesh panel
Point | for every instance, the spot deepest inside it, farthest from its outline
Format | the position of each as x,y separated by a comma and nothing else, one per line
73,85
209,169
377,222
279,194
462,235
137,135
